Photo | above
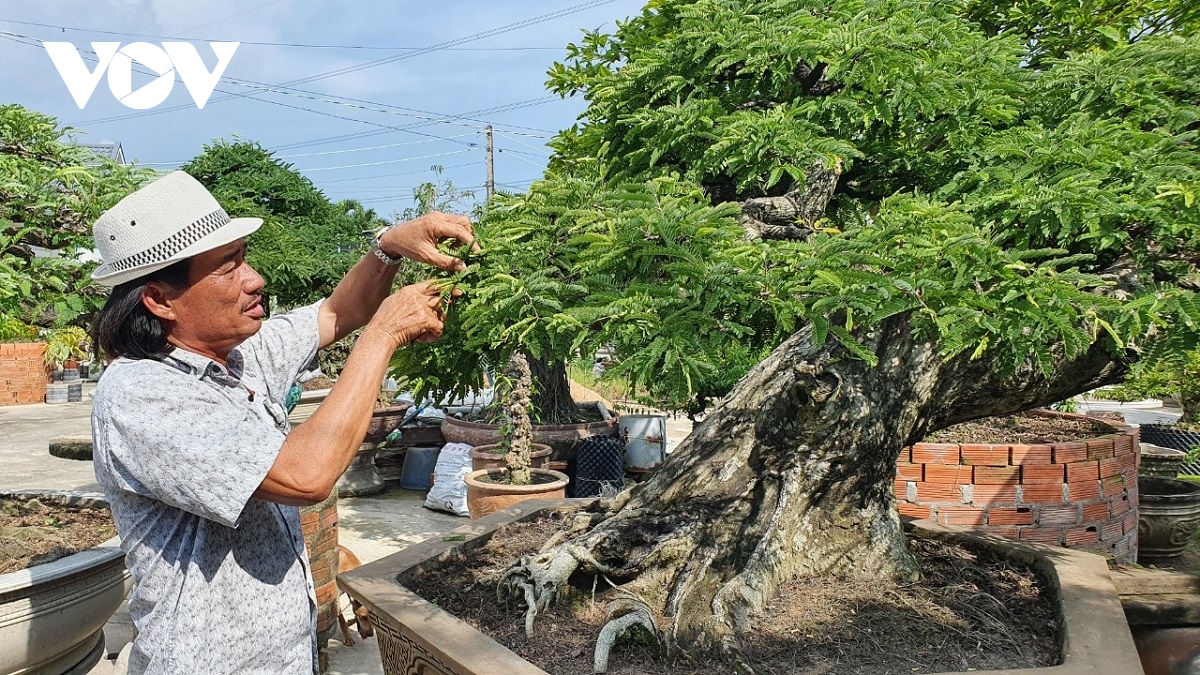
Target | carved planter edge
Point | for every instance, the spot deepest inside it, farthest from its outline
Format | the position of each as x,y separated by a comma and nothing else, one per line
418,636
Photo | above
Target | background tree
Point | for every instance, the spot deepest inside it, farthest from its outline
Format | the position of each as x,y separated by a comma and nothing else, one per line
307,243
51,192
927,219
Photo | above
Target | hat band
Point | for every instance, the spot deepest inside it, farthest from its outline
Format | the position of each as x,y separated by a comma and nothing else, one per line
172,245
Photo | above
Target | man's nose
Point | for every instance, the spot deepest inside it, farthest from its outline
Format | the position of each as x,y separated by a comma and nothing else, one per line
253,282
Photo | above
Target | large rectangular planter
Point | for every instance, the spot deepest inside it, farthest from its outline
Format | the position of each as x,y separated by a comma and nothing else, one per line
416,636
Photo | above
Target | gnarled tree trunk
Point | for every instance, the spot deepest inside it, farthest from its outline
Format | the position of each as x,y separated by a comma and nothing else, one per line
792,475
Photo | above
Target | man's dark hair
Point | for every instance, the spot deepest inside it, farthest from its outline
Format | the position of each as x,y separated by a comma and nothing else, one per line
126,328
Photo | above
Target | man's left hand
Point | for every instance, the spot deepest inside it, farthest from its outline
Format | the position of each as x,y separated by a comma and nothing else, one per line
418,239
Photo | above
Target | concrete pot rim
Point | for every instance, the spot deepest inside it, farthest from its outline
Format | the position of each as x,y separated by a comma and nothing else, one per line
22,581
560,482
1095,636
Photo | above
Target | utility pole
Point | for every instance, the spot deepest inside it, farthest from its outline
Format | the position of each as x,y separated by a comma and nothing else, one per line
491,171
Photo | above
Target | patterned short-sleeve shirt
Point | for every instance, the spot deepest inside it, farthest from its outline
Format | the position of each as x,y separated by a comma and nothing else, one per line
221,580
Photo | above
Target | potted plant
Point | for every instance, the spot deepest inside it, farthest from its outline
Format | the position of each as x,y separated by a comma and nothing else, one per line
491,489
66,346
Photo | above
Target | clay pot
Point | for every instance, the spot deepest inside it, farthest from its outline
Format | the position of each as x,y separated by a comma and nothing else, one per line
384,421
560,437
485,497
492,456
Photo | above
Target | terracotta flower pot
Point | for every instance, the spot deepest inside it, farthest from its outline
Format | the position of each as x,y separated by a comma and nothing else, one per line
492,456
384,421
485,497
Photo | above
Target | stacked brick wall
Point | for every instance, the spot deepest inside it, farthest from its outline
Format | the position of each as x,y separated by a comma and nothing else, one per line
23,373
1080,494
319,525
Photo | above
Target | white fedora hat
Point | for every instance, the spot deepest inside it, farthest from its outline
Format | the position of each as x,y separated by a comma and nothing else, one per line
169,220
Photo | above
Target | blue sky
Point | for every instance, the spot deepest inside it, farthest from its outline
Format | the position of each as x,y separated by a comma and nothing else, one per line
339,130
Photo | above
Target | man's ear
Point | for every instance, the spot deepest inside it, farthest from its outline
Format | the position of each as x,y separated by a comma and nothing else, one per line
159,300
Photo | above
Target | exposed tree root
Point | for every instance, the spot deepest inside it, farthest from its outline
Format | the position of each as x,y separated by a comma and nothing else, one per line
624,613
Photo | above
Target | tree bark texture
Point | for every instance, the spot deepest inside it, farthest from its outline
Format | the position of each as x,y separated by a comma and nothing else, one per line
792,475
552,392
795,214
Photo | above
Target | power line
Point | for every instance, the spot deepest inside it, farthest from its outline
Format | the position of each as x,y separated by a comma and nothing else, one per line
518,141
258,43
518,156
386,161
391,59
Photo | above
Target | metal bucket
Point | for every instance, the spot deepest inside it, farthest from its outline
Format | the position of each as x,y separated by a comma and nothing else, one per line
645,438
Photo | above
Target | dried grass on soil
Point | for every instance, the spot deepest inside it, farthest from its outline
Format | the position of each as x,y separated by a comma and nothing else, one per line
34,533
970,610
1021,428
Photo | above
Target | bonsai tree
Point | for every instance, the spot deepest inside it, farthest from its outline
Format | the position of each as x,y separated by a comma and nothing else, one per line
920,221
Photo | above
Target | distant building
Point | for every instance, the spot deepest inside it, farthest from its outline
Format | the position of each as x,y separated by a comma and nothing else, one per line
110,150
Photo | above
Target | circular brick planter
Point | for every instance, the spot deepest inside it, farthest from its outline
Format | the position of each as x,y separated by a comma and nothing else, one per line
319,525
1079,494
23,373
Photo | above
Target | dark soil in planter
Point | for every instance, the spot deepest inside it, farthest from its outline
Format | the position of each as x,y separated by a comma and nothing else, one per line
1022,428
34,533
970,611
317,383
502,479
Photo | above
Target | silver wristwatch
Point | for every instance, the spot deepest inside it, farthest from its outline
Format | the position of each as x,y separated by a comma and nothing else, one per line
378,250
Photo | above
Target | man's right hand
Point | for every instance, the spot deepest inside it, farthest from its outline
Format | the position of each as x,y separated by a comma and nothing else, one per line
412,314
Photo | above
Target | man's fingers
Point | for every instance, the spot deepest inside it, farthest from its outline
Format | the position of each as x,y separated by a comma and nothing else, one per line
457,227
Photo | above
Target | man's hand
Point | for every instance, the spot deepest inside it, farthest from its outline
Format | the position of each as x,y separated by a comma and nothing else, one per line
412,314
418,239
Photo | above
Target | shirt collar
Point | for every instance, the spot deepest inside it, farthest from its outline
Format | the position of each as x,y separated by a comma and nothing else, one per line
202,366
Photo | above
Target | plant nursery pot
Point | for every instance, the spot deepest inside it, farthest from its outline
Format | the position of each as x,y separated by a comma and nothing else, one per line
52,615
1168,517
560,437
492,456
1160,461
485,497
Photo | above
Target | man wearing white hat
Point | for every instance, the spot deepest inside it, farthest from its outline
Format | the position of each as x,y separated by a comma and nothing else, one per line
192,443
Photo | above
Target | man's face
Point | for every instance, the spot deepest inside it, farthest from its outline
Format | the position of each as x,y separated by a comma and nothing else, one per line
222,304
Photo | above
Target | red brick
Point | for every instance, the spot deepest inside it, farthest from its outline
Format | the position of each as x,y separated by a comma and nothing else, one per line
960,515
900,489
914,510
938,492
950,474
1076,536
1031,454
1021,516
905,456
1111,531
910,471
1069,452
991,455
994,494
1110,466
997,475
1112,486
1080,471
1042,494
309,517
935,453
1010,532
329,519
308,528
1130,522
1095,512
1043,535
1100,449
1067,514
327,594
1118,506
1042,474
1123,444
1128,464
